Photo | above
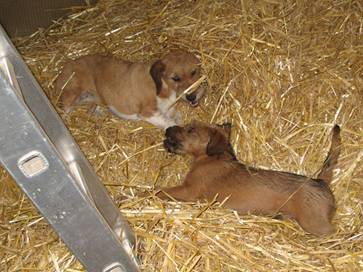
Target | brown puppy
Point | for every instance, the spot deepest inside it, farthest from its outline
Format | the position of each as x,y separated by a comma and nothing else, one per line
216,171
133,91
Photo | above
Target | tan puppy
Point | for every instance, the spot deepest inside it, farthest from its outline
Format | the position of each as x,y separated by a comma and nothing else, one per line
133,91
216,171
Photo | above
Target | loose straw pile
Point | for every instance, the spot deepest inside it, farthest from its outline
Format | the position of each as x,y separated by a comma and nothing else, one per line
283,72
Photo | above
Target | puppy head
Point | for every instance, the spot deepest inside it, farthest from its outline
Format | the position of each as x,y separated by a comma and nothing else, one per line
176,71
198,139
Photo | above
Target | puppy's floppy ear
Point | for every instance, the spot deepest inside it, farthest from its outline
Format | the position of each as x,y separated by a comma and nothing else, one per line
217,143
156,72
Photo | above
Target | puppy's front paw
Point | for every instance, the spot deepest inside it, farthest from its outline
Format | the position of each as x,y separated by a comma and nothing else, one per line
175,116
169,123
161,121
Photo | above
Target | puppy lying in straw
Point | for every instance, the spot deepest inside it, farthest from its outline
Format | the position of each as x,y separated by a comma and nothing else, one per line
216,172
132,91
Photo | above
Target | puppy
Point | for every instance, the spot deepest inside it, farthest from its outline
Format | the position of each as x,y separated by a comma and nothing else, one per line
132,91
216,172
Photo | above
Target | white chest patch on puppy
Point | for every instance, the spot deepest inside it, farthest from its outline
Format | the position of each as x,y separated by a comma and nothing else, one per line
164,103
124,116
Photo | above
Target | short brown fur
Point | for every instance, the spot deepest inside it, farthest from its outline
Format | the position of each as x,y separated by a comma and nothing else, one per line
129,88
216,172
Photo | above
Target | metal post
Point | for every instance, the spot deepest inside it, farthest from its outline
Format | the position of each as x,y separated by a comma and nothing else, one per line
38,151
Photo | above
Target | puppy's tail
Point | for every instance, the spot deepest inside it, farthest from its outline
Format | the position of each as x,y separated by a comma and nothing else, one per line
326,173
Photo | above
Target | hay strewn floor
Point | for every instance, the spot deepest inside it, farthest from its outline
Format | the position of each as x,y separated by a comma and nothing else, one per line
282,71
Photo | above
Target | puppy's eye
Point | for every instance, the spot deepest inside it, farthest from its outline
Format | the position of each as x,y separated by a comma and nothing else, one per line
194,72
176,78
190,130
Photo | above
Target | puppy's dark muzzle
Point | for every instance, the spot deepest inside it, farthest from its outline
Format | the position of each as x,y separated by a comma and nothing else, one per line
171,143
171,132
170,146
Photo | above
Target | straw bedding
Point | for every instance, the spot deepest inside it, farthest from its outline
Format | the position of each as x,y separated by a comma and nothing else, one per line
283,72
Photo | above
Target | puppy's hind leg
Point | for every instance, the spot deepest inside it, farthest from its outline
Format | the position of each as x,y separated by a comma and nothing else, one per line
181,193
72,97
76,86
315,220
317,226
69,98
92,100
67,87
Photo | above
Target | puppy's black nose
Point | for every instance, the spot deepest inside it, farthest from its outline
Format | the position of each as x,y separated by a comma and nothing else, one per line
191,97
